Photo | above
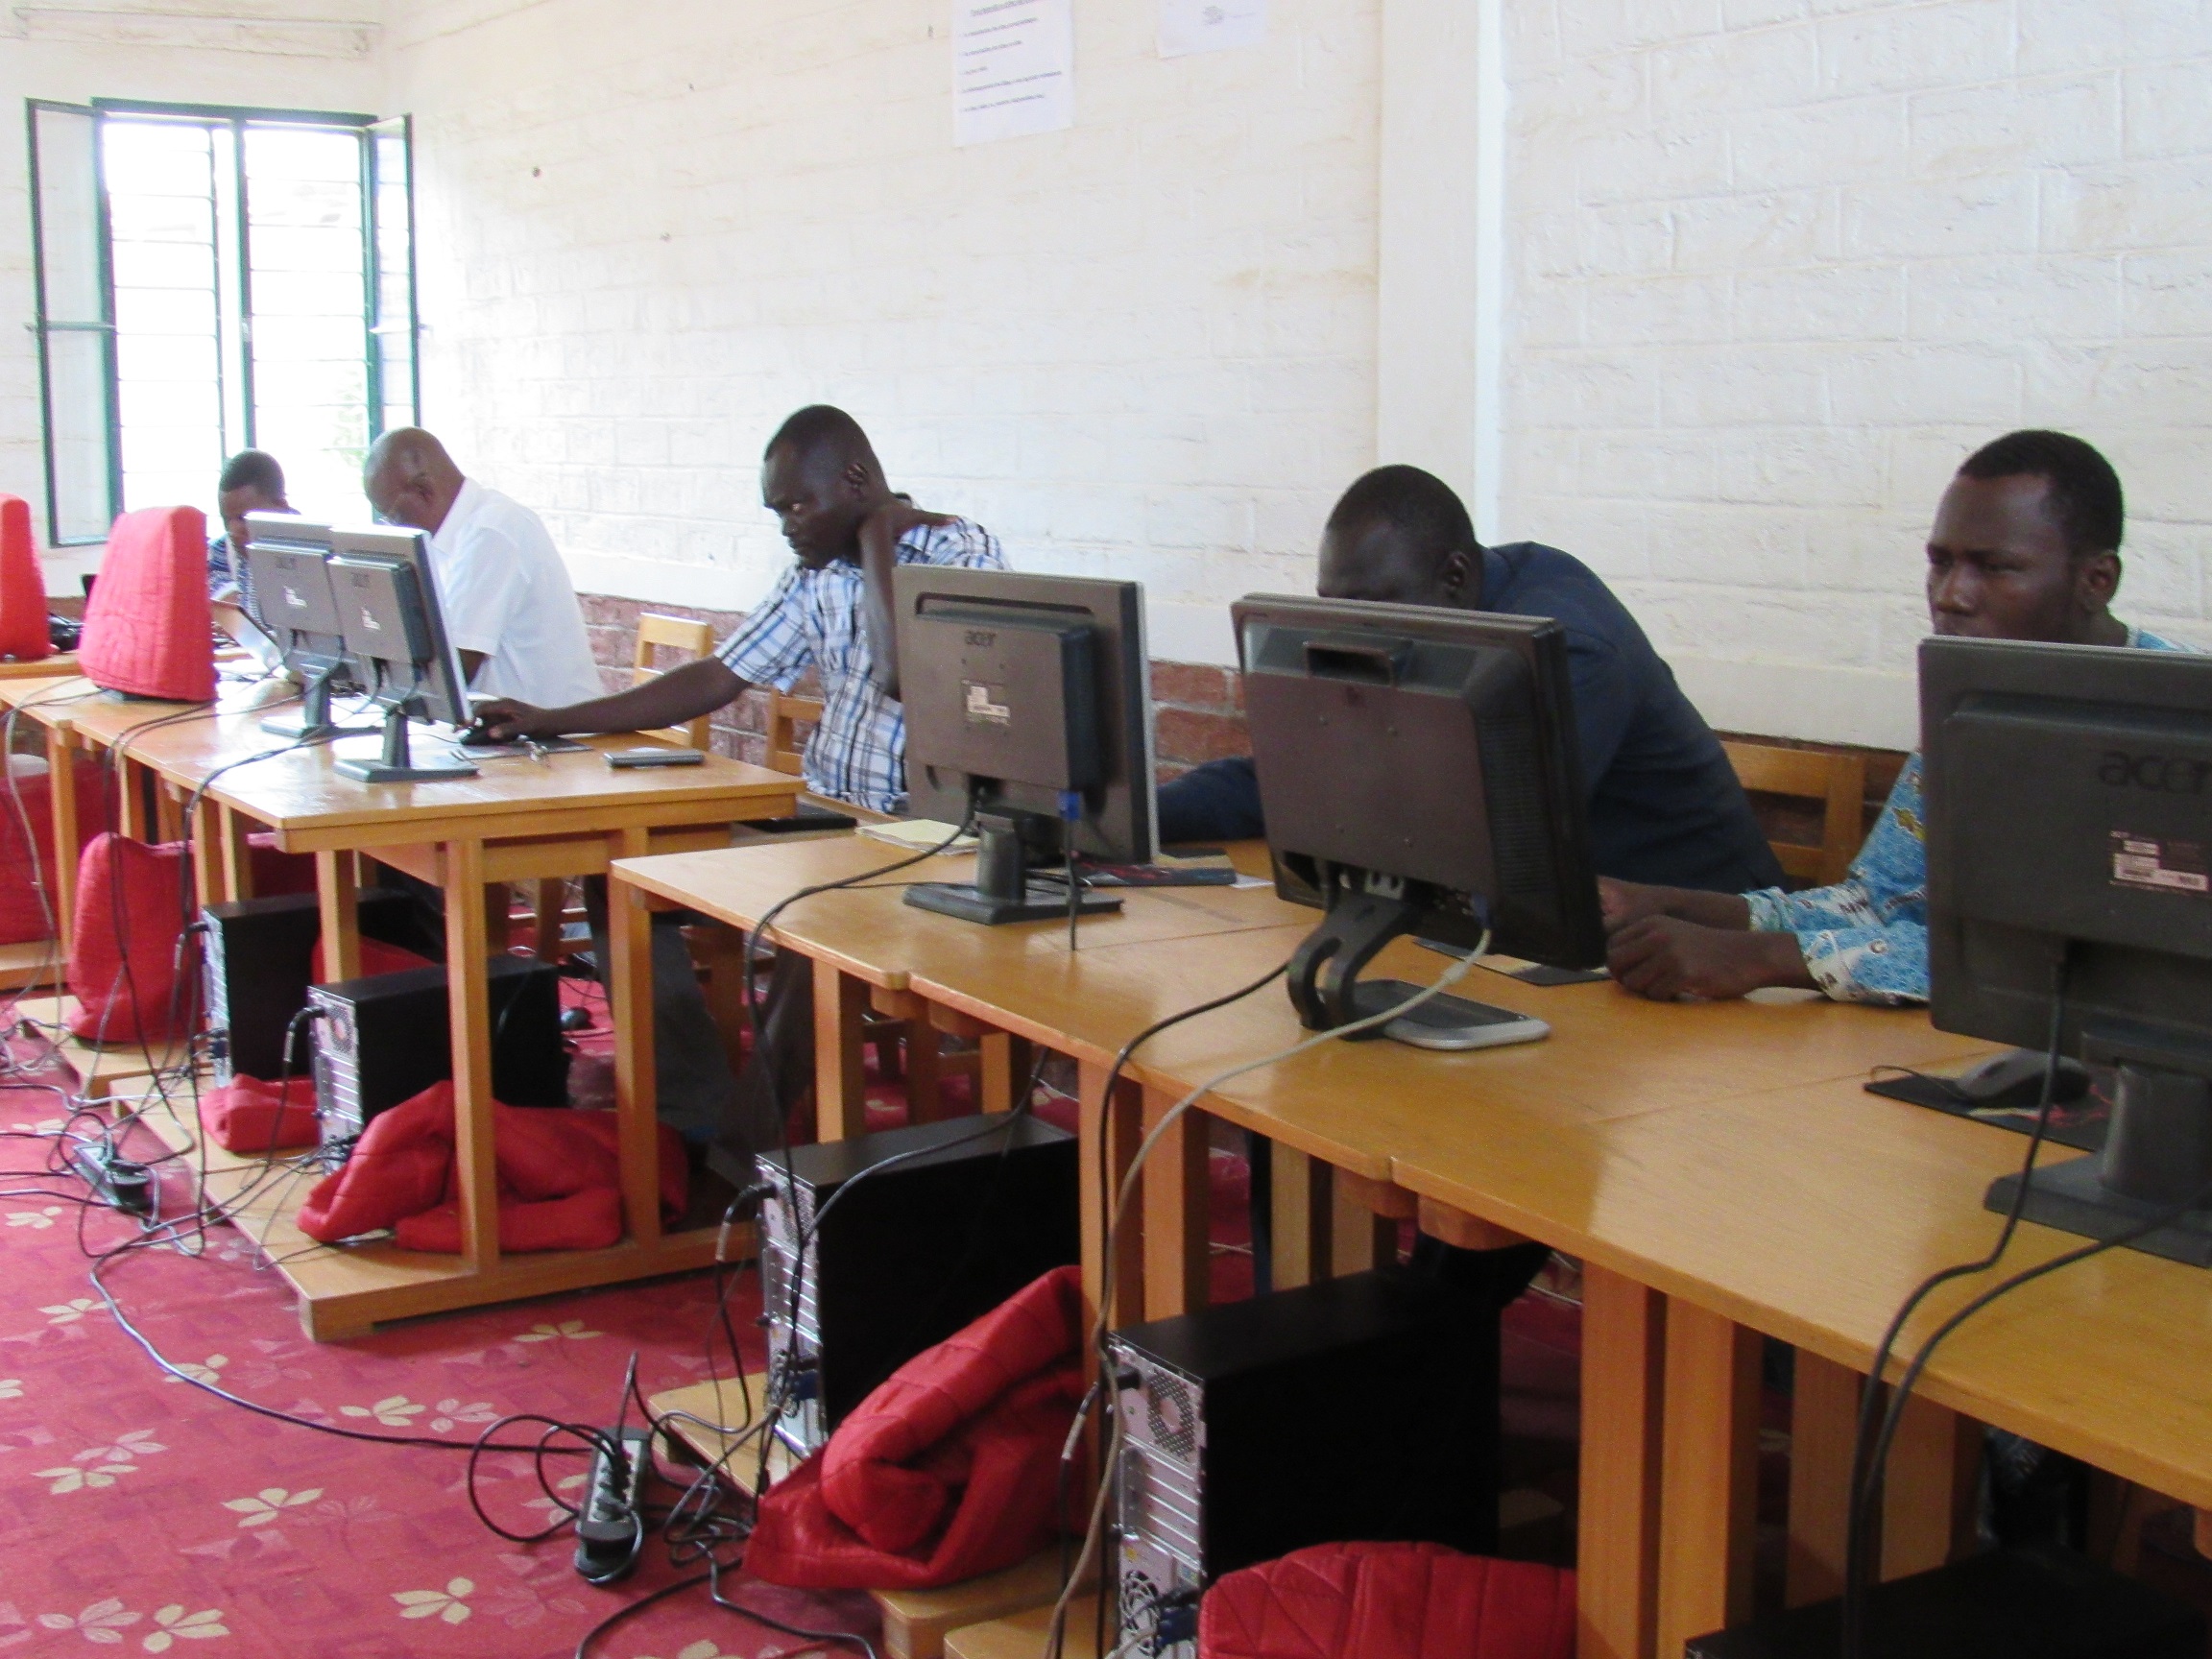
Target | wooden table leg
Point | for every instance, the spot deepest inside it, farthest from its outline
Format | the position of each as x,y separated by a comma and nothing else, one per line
1928,1492
131,817
840,1075
1823,1422
338,884
232,854
2202,1532
1177,1252
1617,1551
68,839
1003,1067
1299,1203
468,998
723,949
630,981
1358,1239
1709,1474
207,883
924,1073
1110,1130
168,810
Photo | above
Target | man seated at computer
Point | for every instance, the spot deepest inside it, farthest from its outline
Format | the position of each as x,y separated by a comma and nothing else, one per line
1664,803
510,608
2026,545
251,482
831,610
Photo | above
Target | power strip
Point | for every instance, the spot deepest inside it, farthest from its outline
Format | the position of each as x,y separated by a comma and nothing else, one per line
611,1524
120,1183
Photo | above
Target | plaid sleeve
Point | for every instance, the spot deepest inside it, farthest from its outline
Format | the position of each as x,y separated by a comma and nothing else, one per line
773,644
963,543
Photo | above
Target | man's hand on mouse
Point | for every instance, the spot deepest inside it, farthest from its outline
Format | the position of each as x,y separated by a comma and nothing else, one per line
503,719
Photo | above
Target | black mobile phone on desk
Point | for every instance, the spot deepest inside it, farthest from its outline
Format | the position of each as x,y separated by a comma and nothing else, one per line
624,759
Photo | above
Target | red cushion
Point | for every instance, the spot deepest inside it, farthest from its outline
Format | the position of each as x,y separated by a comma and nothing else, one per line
947,1470
23,635
148,628
1389,1602
23,915
129,910
247,1115
559,1180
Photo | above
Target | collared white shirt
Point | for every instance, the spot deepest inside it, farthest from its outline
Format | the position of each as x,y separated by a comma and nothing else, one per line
505,593
858,752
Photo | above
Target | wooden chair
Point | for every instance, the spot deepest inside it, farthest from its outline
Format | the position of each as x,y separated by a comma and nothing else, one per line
676,633
786,713
1831,776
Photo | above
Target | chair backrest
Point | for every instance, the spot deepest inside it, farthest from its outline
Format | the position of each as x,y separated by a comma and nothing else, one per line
675,633
786,713
148,627
1834,778
23,632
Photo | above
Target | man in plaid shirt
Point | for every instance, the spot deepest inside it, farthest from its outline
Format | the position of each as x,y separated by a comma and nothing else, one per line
831,612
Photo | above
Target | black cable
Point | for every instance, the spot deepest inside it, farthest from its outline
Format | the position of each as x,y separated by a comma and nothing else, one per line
1867,1473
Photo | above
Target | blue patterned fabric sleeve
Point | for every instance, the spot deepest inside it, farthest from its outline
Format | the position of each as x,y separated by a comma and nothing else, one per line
1866,939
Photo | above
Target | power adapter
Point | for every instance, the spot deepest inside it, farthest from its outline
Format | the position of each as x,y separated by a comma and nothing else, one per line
120,1183
611,1524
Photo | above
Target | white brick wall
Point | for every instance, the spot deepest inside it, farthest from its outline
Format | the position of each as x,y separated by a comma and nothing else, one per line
1776,266
1145,347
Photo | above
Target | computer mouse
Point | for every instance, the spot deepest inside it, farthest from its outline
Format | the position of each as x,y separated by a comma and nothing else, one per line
2014,1078
478,737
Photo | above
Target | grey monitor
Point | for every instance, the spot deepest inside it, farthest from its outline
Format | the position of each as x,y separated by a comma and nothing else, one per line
390,625
287,595
2069,860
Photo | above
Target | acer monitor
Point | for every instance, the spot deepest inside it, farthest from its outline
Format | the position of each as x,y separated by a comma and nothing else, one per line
291,602
1028,705
387,605
2069,822
1419,773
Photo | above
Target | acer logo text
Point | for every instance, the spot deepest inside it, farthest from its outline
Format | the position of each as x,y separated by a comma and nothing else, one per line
2161,774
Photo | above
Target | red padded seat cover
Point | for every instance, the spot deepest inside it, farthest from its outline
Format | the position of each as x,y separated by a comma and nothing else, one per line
1389,1602
23,917
23,635
944,1472
148,627
559,1180
247,1115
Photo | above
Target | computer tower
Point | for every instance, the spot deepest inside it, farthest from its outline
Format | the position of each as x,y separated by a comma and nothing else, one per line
876,1247
1362,1408
383,1040
259,957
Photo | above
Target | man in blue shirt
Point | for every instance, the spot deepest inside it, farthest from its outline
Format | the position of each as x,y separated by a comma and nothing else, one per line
1664,803
2026,545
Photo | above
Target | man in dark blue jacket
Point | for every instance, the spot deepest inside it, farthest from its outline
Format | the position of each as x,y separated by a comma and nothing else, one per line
1664,803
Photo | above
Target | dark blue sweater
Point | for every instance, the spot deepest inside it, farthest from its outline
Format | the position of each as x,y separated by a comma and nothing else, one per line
1664,803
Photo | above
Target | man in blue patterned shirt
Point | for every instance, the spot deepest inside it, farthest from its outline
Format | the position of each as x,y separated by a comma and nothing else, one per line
2026,545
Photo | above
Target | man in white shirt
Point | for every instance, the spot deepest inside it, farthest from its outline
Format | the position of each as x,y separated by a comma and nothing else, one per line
510,608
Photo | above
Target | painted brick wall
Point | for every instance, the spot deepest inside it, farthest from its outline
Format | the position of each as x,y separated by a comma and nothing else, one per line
1776,266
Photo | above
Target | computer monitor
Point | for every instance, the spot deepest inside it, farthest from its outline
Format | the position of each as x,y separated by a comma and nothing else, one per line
1419,774
444,690
388,609
1027,702
2069,855
291,602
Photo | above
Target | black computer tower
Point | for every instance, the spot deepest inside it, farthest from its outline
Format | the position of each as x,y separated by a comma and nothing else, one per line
1362,1408
259,957
911,1252
2033,1602
383,1040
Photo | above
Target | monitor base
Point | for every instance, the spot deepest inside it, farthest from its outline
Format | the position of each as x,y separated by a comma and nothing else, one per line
1038,903
2073,1197
309,731
377,772
1450,1023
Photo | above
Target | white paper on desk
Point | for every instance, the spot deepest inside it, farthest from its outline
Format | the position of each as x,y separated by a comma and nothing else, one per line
1188,26
1013,69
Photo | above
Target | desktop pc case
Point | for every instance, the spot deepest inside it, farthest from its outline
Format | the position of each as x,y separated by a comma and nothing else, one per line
383,1040
912,1252
1362,1408
258,956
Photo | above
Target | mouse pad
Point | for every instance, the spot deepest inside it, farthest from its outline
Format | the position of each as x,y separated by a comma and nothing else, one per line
2080,1125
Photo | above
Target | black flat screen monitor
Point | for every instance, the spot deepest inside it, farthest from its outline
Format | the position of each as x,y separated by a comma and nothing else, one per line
1027,703
2069,822
444,691
388,609
1418,771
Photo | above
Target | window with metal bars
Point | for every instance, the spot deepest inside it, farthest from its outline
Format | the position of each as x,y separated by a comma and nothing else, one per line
210,280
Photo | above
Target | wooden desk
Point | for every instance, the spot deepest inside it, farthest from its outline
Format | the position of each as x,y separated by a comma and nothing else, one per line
63,663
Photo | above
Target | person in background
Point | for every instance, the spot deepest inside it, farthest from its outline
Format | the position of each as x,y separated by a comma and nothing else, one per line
510,608
1664,803
2026,545
251,482
831,610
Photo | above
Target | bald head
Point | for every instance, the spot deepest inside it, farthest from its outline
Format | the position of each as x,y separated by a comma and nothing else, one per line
410,480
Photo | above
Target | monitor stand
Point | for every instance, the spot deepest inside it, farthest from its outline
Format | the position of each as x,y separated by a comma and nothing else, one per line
1327,990
2157,1152
397,765
313,721
1003,891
